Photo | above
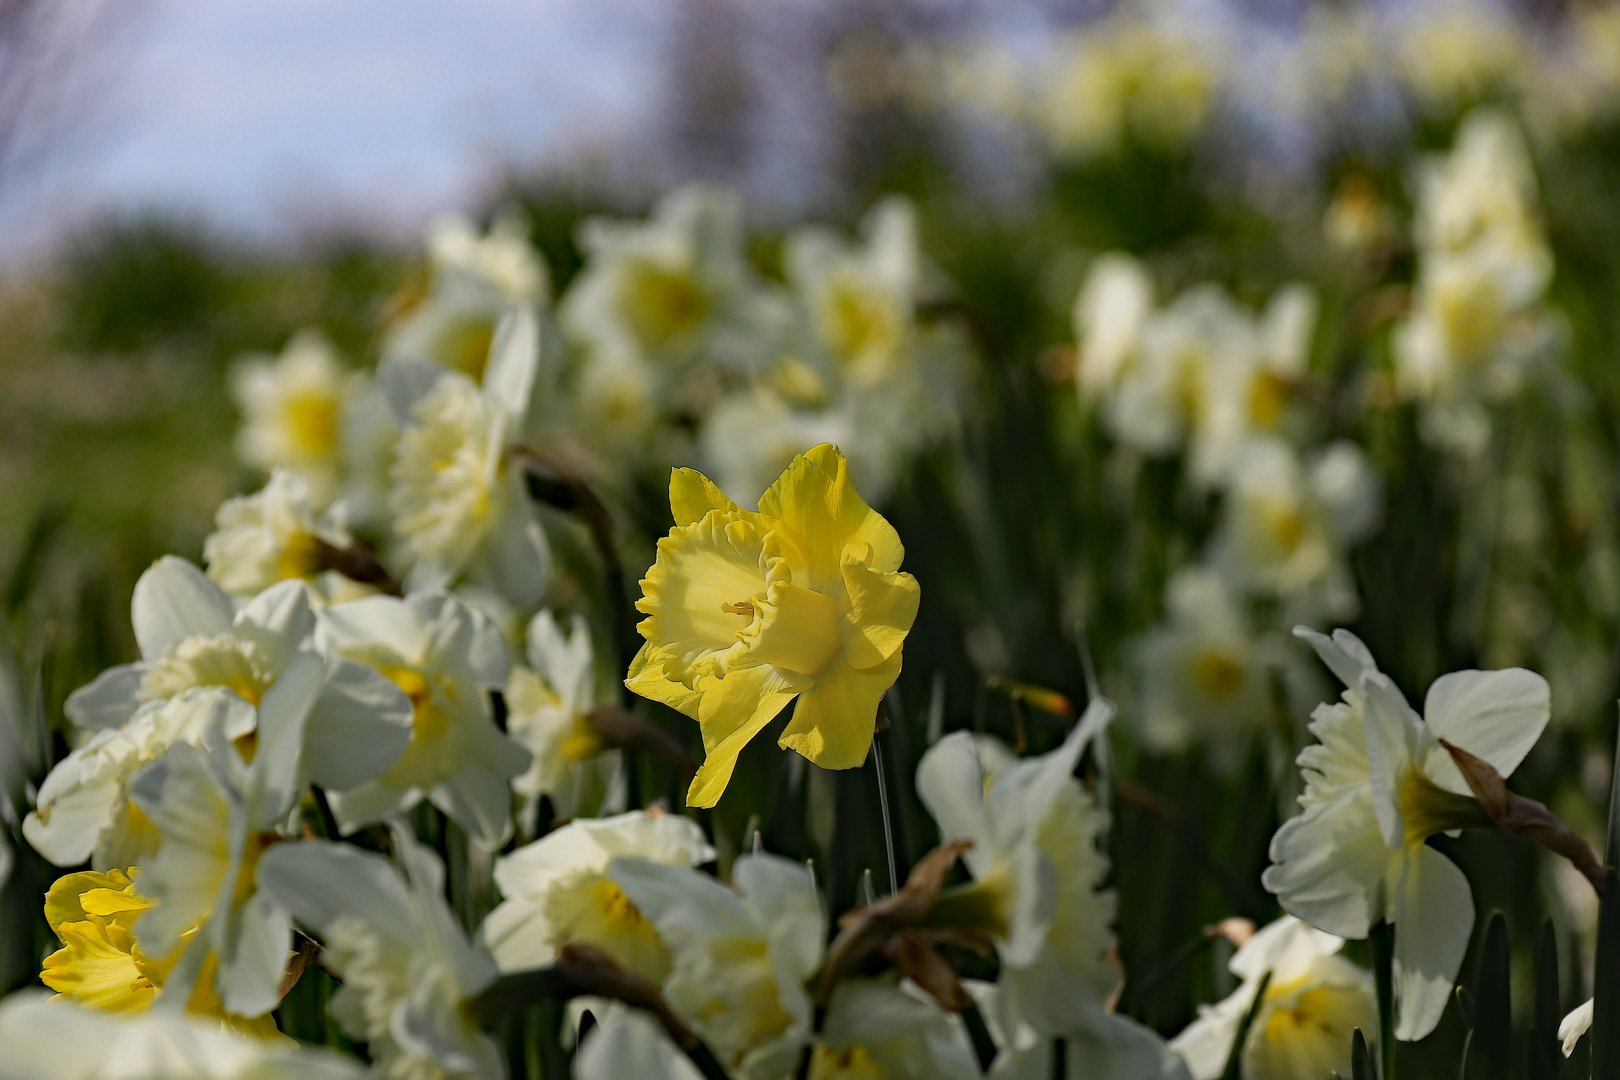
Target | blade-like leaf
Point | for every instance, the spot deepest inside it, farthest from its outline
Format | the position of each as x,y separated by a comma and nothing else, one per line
1360,1061
1491,1049
1234,1061
1606,982
1544,1047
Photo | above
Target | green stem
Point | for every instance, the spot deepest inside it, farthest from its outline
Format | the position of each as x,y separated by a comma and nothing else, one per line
1381,939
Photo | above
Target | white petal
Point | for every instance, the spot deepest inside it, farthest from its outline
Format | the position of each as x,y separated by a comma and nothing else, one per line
1125,1050
405,381
1391,729
1206,1043
283,715
1329,863
782,896
564,662
317,881
174,600
514,359
109,700
517,555
368,803
628,1043
1434,915
278,620
680,902
374,621
1286,947
1343,653
950,783
250,969
1496,715
1576,1024
359,726
478,801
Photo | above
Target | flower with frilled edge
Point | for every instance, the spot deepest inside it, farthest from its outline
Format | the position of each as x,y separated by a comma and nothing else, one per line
747,611
1376,788
558,890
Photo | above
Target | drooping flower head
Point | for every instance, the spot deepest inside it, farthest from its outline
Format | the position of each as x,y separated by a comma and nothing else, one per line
747,611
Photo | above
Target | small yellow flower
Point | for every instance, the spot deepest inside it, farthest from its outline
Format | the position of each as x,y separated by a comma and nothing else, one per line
748,610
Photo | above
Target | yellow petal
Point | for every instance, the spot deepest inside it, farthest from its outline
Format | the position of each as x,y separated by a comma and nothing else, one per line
64,901
798,629
733,710
815,499
834,720
882,607
649,676
95,967
691,495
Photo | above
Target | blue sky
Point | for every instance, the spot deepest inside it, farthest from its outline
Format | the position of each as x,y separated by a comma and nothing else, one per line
276,116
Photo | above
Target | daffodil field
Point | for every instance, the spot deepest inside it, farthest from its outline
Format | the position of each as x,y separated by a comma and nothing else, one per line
1162,623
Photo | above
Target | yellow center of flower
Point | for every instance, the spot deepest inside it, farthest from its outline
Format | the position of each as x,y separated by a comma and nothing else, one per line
214,660
428,721
862,325
661,305
1305,1025
1269,395
1283,524
300,558
1217,674
853,1062
464,345
312,424
1428,809
592,909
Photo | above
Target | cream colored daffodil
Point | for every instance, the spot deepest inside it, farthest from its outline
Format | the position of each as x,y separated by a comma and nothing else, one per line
548,711
1313,1004
1110,311
1037,870
1376,788
558,890
216,806
1205,674
740,960
55,1039
292,406
387,932
751,436
474,278
747,611
880,1028
458,503
1287,525
446,656
272,535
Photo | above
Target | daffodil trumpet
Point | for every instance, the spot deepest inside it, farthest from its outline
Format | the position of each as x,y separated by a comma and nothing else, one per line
748,610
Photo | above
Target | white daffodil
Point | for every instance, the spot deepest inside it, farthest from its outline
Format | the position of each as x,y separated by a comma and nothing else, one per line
750,438
1313,1004
1483,265
1187,350
1110,311
1377,786
1037,866
548,711
215,815
1287,525
193,635
861,300
1457,51
740,960
407,969
1118,1048
879,1028
459,506
1252,395
665,291
272,535
54,1039
291,407
474,279
558,890
83,811
1205,674
446,657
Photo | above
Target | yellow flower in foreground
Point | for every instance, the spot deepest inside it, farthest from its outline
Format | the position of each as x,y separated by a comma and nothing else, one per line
748,610
100,963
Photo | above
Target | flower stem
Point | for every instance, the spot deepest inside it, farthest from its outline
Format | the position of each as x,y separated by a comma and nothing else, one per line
1382,941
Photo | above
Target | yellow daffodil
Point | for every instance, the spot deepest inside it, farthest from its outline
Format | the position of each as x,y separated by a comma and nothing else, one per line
748,610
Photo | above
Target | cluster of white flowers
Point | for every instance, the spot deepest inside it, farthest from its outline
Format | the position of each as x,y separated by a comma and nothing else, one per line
1202,377
1474,325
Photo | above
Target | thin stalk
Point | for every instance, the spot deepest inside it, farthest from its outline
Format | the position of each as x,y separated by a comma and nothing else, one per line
883,807
891,799
1382,941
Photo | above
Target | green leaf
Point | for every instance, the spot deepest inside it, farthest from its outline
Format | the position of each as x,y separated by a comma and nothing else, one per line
1490,1050
1360,1061
1234,1060
1606,978
1381,940
1544,1048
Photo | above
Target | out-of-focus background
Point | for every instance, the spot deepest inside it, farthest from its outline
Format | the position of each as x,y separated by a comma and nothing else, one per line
1409,212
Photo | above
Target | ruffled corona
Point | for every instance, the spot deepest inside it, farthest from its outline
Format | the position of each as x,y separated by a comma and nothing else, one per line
747,611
